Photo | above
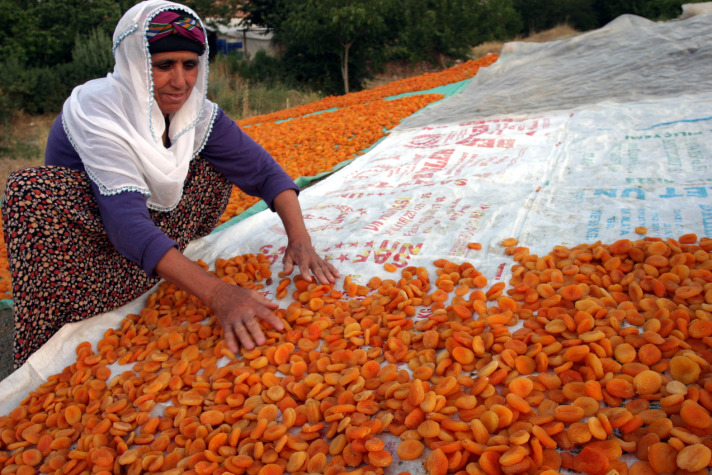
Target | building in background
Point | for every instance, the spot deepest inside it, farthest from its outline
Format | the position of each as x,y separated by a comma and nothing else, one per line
238,37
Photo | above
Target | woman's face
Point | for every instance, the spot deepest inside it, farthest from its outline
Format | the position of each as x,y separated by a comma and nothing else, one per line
174,75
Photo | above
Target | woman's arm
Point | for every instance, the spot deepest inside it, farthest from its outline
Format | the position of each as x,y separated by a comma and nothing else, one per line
245,162
248,166
134,234
236,308
299,247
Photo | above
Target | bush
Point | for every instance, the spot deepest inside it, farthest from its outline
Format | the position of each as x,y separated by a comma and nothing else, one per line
261,68
224,88
13,85
91,56
35,90
6,109
540,15
42,90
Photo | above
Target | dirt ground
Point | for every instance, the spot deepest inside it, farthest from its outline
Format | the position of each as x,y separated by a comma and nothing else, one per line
22,144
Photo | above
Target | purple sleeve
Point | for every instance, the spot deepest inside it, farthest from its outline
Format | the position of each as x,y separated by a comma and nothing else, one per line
131,230
244,162
125,215
59,151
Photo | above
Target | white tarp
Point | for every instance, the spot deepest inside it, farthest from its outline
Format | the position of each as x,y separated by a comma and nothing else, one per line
692,9
629,60
502,159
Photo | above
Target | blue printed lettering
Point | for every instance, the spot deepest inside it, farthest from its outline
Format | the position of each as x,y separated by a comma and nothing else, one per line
706,219
696,192
593,223
640,193
670,193
599,192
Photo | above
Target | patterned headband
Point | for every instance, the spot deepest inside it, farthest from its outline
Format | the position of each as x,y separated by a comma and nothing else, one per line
169,22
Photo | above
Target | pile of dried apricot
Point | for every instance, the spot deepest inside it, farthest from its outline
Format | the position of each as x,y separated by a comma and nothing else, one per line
422,82
592,354
314,144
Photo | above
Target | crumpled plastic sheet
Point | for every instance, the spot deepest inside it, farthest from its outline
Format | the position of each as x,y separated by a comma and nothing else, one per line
630,59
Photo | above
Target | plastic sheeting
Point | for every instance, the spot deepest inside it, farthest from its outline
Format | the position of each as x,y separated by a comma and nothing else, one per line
630,59
692,9
556,144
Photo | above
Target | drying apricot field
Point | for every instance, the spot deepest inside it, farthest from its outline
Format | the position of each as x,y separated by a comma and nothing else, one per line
595,358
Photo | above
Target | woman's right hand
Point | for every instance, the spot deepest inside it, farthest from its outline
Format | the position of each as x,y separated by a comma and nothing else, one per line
239,310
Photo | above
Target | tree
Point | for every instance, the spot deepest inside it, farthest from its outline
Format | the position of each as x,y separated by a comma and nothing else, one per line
92,55
51,46
608,10
539,15
212,12
500,21
268,14
430,29
344,33
359,35
58,22
14,22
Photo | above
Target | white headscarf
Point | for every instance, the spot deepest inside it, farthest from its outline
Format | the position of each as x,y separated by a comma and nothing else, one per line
116,126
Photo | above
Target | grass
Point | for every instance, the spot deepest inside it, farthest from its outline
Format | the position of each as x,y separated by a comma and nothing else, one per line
241,99
559,32
22,142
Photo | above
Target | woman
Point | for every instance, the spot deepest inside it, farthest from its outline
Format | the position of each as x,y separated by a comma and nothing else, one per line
138,164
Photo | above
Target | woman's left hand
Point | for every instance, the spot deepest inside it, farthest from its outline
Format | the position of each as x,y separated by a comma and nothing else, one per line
300,253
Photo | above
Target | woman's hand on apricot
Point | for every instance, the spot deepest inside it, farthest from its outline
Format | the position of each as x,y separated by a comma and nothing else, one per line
239,312
302,254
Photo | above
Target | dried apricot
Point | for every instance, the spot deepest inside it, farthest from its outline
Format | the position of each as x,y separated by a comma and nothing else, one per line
694,457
